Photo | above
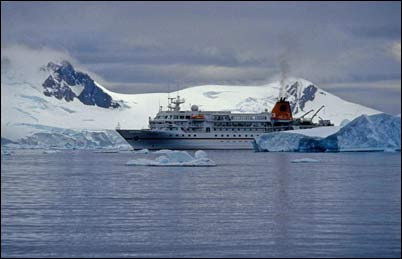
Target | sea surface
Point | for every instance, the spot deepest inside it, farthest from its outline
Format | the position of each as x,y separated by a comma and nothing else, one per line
86,204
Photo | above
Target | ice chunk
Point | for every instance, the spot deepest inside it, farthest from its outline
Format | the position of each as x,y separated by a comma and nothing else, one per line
107,150
305,160
50,151
162,151
141,151
5,152
175,158
199,154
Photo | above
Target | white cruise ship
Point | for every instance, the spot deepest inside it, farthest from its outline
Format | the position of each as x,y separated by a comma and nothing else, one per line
196,129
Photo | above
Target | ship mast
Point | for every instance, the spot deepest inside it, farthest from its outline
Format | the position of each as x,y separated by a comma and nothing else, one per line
175,102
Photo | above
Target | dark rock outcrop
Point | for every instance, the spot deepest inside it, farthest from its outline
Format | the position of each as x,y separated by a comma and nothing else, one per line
64,76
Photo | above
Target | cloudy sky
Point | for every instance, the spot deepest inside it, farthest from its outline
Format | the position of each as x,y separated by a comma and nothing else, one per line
350,49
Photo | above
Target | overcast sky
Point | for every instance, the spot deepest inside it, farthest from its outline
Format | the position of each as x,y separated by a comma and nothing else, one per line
350,49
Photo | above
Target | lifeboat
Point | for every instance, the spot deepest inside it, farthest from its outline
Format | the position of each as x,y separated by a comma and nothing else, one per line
198,117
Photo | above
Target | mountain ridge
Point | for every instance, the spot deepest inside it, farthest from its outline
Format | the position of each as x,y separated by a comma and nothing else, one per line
24,100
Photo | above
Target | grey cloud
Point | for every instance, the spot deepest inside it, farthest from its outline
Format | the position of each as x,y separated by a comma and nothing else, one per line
149,45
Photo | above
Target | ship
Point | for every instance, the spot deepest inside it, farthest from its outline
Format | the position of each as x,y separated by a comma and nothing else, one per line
196,129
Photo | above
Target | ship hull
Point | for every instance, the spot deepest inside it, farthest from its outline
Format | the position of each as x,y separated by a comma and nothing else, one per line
156,140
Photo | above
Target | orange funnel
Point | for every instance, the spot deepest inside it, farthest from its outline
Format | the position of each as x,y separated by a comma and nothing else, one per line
282,111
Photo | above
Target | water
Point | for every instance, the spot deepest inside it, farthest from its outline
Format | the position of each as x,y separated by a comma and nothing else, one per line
85,204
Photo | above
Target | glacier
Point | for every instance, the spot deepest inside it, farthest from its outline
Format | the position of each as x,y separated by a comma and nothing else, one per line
46,137
379,132
175,158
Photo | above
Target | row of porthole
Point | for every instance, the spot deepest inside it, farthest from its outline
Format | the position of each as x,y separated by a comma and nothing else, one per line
235,140
237,136
195,135
177,135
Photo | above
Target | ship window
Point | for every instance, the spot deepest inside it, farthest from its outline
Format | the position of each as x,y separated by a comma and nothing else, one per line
222,135
252,135
188,117
182,135
195,135
177,135
208,130
227,135
170,135
246,135
182,117
216,135
234,135
189,135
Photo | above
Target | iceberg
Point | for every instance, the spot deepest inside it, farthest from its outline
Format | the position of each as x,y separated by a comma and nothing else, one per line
379,132
175,158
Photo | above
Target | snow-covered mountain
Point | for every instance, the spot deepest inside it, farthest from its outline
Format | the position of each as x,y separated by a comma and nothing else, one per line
56,96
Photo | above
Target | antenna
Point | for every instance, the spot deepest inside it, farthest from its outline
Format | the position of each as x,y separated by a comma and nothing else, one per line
168,95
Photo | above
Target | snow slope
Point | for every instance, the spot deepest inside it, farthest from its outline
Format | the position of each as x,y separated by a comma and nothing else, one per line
379,132
24,103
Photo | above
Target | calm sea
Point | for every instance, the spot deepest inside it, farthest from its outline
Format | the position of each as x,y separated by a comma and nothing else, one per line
85,204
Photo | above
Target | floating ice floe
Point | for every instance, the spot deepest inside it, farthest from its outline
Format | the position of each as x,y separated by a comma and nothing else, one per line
175,158
141,151
50,151
305,160
106,151
379,132
6,152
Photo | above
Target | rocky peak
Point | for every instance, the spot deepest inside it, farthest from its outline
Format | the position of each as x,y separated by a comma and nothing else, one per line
298,94
63,77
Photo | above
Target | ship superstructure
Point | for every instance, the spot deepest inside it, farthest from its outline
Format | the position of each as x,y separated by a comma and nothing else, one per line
197,129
